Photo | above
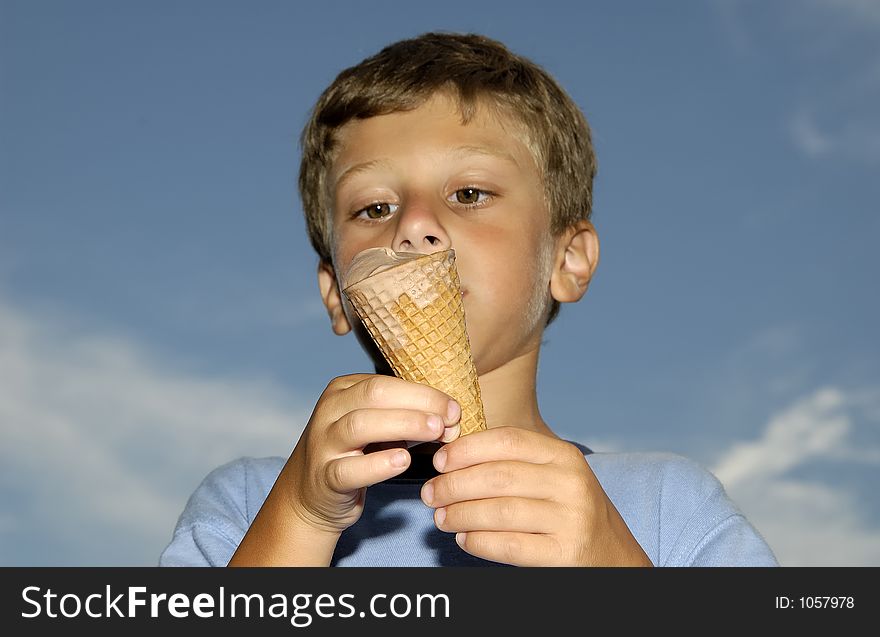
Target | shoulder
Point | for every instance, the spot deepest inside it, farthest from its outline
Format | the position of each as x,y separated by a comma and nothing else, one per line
654,485
237,487
248,475
220,510
678,507
666,471
660,485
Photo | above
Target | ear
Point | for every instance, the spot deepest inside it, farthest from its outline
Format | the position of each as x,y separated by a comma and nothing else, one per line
575,260
332,298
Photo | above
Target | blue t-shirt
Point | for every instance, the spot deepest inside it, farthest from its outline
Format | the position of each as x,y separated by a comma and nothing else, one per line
677,510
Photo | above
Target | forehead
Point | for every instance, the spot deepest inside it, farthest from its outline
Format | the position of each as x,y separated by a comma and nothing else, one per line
433,128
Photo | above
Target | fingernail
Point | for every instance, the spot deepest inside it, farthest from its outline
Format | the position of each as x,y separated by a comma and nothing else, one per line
453,412
435,424
428,493
459,539
399,459
440,459
440,516
451,433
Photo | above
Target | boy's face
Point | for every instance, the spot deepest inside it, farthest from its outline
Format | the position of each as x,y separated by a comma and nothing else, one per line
420,181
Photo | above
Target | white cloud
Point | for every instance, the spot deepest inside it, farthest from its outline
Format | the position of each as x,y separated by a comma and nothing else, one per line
805,521
252,309
858,13
840,113
102,444
856,137
836,115
807,137
810,428
732,24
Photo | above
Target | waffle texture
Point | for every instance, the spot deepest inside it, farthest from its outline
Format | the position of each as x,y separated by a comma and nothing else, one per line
414,313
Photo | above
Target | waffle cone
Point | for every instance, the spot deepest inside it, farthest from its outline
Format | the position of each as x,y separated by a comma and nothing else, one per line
414,313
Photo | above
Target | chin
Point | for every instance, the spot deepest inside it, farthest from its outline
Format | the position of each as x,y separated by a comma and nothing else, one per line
481,363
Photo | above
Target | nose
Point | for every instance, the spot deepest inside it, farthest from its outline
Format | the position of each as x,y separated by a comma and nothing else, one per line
419,230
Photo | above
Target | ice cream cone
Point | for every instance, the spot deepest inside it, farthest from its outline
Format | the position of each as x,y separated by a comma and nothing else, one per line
413,311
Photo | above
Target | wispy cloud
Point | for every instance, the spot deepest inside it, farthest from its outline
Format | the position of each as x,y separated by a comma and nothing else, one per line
807,137
858,13
102,442
852,138
836,113
732,24
256,310
810,428
775,478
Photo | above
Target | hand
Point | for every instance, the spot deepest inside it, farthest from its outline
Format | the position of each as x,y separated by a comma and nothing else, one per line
524,498
321,489
328,472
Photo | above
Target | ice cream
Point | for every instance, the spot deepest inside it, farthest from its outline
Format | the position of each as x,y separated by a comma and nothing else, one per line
411,305
374,260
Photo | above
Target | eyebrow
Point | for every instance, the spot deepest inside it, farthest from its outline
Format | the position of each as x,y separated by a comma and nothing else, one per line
458,151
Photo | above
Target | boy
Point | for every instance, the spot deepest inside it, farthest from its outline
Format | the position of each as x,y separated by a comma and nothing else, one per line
452,141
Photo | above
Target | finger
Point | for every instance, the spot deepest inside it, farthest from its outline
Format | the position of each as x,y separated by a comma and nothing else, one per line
518,549
331,402
363,470
358,428
389,392
505,443
498,514
493,480
344,382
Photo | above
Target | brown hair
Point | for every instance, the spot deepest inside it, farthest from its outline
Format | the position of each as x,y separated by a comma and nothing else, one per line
478,70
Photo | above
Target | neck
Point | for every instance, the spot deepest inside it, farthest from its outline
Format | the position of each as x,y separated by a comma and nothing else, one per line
510,394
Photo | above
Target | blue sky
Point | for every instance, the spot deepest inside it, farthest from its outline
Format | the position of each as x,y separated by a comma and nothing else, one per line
159,312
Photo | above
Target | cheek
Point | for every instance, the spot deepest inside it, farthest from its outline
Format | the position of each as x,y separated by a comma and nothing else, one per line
345,249
507,272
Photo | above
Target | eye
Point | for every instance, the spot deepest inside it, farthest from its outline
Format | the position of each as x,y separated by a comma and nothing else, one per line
376,211
471,196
